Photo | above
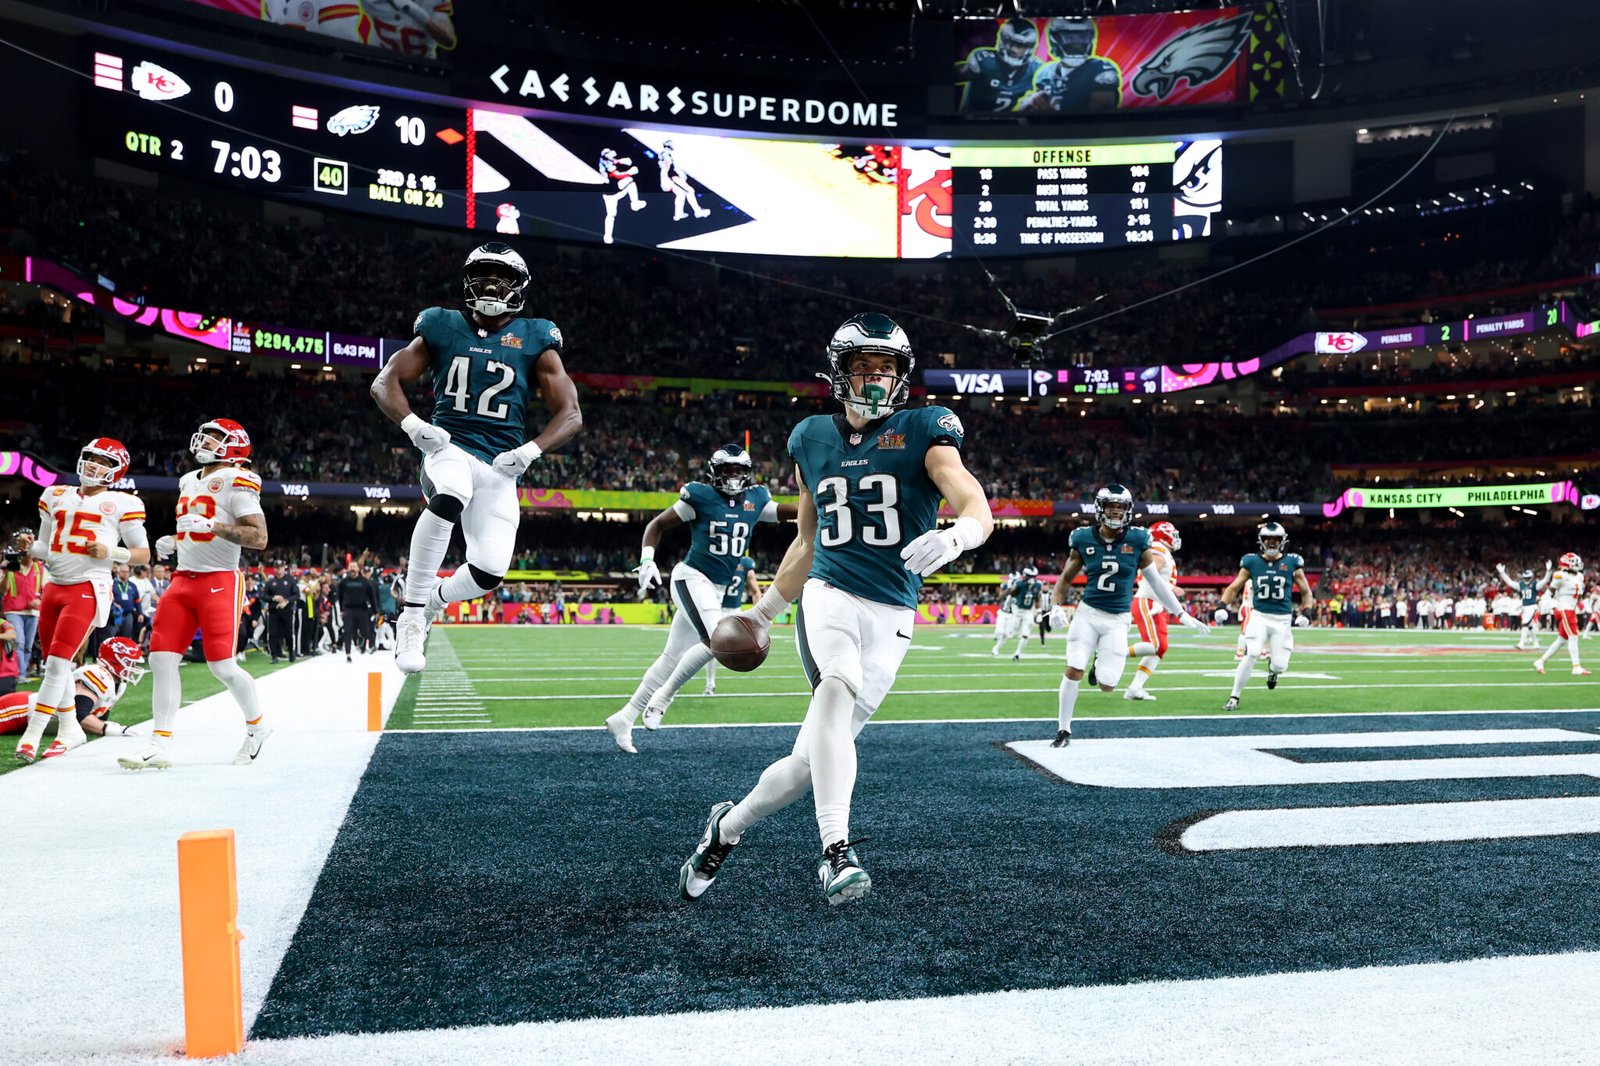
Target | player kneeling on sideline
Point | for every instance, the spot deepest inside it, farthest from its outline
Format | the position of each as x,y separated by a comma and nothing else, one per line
485,365
1273,577
219,513
1109,555
1565,588
97,686
870,483
83,532
1149,615
721,518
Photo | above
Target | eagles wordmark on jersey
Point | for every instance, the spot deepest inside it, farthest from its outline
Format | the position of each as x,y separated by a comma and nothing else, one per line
1272,581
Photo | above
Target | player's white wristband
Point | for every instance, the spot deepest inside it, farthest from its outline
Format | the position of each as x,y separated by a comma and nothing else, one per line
646,555
773,603
968,533
411,423
119,554
530,451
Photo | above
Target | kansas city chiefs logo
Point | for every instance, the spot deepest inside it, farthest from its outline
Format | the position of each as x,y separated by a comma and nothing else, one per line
155,82
358,118
1197,55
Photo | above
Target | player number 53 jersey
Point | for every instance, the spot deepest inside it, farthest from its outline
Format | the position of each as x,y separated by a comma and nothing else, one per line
1272,581
71,522
225,495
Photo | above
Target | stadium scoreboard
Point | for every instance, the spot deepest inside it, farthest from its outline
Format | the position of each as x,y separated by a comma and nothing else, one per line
1016,199
280,137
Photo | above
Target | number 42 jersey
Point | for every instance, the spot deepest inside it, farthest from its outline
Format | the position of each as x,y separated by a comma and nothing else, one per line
873,496
481,381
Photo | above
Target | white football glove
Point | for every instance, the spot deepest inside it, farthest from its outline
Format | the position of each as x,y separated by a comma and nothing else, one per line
937,547
166,547
1189,621
648,573
428,437
1058,616
515,462
1301,621
195,523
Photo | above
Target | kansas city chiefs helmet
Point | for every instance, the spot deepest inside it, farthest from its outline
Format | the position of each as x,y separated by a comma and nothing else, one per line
124,658
221,440
108,455
1166,533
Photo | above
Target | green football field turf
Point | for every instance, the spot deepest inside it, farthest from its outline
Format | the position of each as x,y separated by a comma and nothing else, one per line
134,707
521,676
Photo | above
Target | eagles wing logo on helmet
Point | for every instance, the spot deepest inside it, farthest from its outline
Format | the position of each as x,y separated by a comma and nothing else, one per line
494,263
1016,41
1197,55
870,333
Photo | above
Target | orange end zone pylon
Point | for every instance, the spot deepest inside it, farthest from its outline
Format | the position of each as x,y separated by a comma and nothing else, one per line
208,900
374,703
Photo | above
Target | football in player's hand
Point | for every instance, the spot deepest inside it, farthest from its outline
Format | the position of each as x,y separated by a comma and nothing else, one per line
740,643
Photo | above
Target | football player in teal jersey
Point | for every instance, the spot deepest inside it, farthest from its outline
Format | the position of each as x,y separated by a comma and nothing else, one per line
744,582
1007,620
994,79
1025,598
1528,588
871,478
1110,554
485,364
721,513
1276,579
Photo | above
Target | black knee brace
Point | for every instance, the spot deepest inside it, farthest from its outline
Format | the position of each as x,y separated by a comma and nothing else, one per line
446,507
486,581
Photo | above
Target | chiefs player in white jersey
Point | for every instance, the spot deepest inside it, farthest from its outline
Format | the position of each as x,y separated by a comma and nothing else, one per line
412,27
97,686
1566,585
83,532
219,512
1149,615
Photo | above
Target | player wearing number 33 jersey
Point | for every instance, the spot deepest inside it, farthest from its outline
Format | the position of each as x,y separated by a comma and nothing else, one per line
722,514
871,479
485,364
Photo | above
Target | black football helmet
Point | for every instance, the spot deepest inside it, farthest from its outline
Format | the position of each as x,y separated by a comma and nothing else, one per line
1071,39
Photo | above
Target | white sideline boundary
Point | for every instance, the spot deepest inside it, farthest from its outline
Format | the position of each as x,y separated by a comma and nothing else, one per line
90,953
90,958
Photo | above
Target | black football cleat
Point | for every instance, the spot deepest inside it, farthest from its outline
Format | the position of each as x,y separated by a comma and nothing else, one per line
1272,680
1063,738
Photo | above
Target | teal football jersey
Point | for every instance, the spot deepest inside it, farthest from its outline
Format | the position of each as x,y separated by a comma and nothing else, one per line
1027,593
481,384
720,526
1272,581
1529,591
873,496
1110,569
733,595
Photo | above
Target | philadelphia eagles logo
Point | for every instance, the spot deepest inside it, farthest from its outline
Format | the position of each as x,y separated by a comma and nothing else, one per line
1197,55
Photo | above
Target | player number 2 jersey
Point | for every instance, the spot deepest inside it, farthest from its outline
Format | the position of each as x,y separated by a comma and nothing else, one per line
720,526
481,383
226,495
1110,567
873,496
70,522
1272,581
